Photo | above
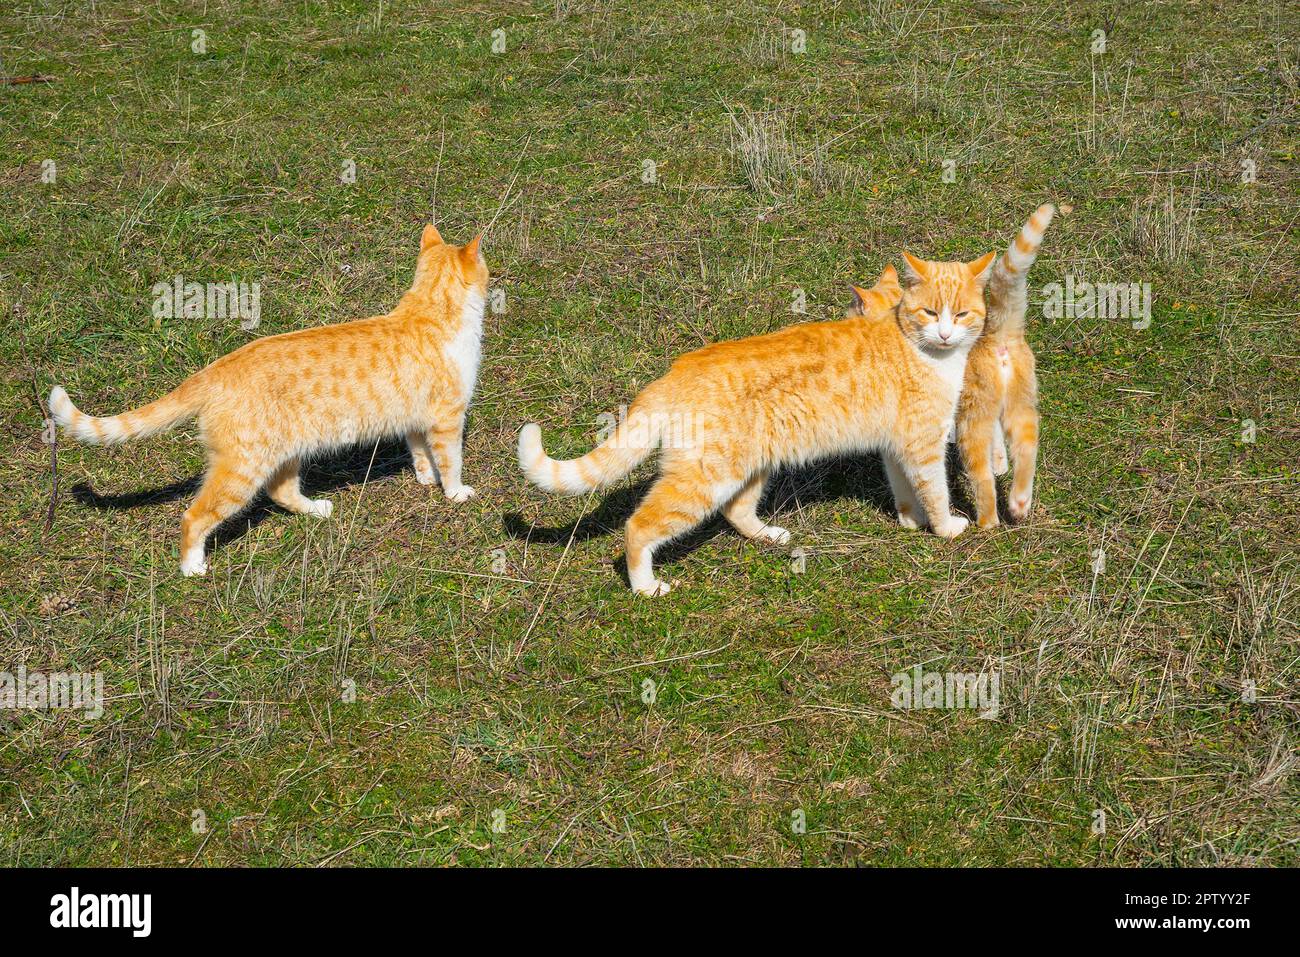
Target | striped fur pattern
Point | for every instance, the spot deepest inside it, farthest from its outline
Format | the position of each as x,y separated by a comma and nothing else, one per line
999,402
637,436
274,402
139,423
727,416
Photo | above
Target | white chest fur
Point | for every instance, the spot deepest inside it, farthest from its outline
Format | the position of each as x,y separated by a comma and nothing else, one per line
466,346
950,368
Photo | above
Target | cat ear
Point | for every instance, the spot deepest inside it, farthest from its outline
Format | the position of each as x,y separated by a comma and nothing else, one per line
860,299
982,268
888,282
914,270
883,295
430,237
888,290
470,252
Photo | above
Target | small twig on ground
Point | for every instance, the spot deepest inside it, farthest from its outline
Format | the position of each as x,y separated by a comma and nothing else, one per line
550,586
53,433
509,186
437,173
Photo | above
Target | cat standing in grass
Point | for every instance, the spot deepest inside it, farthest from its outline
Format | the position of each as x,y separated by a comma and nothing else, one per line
269,405
999,402
737,411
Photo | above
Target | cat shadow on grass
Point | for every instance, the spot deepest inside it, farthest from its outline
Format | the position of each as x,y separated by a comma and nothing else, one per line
858,478
319,477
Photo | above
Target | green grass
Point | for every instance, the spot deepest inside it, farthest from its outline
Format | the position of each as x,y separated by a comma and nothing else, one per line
521,692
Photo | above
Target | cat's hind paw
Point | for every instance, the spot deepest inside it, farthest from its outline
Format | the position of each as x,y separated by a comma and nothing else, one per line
460,493
773,535
654,589
426,476
193,566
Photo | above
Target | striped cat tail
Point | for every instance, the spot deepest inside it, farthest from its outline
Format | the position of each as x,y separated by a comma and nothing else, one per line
1020,255
635,437
147,420
1006,295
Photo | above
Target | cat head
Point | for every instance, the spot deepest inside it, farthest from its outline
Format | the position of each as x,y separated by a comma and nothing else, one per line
943,303
466,262
879,300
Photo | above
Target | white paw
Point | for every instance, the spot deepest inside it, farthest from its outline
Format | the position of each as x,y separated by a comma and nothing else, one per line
320,507
654,589
908,519
773,535
1018,507
460,493
192,566
426,477
955,525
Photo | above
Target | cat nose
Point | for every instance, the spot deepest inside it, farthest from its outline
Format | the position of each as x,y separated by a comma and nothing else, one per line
945,334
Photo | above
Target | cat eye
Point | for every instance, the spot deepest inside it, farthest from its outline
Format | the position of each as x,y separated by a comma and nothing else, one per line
929,312
963,315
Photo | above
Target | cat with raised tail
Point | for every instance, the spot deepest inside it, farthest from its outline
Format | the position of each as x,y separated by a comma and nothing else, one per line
999,401
269,405
727,416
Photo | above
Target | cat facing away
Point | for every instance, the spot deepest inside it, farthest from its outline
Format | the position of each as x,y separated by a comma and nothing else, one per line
729,415
999,401
269,405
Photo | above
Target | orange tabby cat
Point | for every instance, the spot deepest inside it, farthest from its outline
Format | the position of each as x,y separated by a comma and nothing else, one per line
268,405
730,414
1000,395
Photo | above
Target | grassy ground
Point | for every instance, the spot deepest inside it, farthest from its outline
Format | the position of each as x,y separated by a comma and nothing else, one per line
498,660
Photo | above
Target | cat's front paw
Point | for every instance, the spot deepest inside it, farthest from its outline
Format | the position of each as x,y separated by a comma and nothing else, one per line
192,566
908,518
320,507
773,535
460,493
1018,507
987,522
955,525
425,476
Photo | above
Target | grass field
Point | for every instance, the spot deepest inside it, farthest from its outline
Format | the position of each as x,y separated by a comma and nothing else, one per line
414,682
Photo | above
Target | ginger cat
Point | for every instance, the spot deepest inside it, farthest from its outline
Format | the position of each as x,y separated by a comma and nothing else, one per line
729,415
268,405
1000,395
